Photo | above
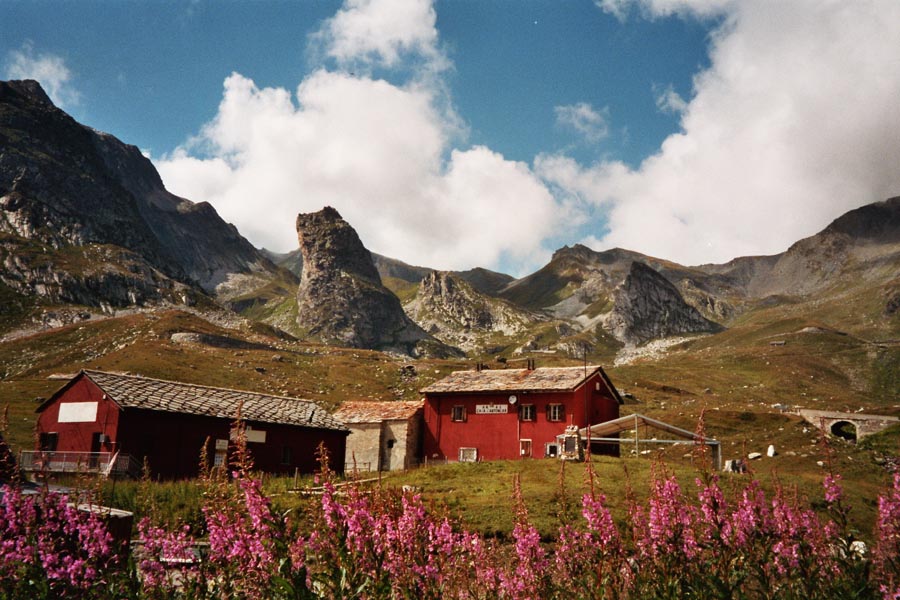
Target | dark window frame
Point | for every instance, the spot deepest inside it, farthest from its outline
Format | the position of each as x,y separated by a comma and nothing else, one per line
527,412
556,412
287,455
48,441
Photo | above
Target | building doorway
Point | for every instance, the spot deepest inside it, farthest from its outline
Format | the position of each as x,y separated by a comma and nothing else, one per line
525,448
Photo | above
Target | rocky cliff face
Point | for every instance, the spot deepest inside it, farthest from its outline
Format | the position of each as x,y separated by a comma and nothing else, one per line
341,300
453,311
64,185
647,306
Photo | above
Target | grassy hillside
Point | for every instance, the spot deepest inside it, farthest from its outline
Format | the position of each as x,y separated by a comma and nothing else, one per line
832,355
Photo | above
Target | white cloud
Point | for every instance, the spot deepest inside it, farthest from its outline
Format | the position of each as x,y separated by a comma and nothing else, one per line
385,155
382,32
794,123
381,155
583,118
669,101
665,8
50,70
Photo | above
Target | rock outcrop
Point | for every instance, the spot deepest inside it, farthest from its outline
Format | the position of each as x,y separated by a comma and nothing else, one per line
647,306
340,299
453,311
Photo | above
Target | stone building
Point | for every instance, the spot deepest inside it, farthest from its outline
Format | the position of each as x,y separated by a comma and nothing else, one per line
384,436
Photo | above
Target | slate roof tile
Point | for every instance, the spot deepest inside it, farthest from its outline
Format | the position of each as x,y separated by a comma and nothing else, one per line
133,391
542,379
375,412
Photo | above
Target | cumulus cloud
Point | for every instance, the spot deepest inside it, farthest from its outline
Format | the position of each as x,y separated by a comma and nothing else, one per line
584,119
382,32
384,154
50,70
380,154
794,123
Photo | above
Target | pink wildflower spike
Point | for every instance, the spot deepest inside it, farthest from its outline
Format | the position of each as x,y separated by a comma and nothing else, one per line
886,553
833,490
669,528
69,546
713,518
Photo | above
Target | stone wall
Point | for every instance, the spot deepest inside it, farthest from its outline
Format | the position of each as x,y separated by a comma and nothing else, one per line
363,444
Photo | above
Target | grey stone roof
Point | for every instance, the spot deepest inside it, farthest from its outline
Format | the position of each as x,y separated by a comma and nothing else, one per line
132,391
543,379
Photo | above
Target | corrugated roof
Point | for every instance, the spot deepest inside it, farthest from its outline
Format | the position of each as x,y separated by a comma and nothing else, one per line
543,379
132,391
375,412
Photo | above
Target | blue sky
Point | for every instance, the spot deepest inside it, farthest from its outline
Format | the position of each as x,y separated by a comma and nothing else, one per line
468,133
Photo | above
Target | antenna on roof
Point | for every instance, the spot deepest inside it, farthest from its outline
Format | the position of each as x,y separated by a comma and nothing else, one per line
584,352
530,364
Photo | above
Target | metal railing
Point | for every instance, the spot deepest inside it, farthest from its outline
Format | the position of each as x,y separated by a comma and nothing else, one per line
103,463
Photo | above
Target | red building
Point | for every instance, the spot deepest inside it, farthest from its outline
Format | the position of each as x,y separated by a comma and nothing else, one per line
111,422
510,413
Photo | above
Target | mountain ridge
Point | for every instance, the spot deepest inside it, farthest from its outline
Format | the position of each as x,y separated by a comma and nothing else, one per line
85,220
63,184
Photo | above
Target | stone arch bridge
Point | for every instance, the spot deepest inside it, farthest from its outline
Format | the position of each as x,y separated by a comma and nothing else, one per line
853,426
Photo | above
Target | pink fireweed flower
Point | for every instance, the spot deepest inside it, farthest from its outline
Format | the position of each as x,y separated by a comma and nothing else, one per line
71,546
886,553
531,563
242,539
751,518
599,521
800,538
18,519
669,528
525,580
159,548
713,521
833,490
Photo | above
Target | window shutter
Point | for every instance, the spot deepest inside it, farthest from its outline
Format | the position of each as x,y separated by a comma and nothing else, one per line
549,412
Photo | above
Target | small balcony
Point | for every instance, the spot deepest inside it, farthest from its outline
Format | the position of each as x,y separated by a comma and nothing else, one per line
107,464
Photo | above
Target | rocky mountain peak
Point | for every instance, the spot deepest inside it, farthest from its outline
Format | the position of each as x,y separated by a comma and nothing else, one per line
27,88
329,244
577,251
879,221
65,185
455,312
340,299
647,306
456,299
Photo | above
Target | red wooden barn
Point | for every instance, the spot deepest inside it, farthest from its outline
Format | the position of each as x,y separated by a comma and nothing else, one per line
512,413
113,422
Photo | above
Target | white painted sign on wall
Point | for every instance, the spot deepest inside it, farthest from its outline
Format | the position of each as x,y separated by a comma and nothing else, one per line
78,412
256,436
491,409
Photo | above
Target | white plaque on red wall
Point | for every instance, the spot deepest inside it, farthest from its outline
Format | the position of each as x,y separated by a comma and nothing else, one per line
77,412
491,409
